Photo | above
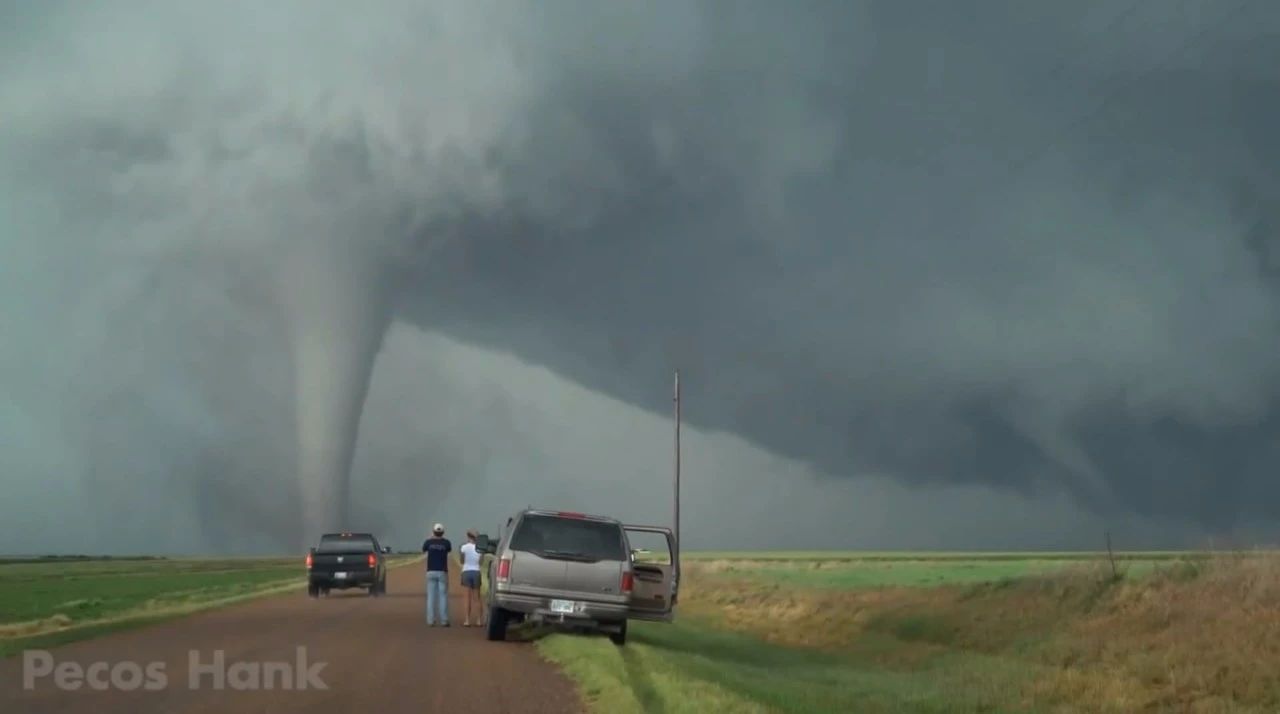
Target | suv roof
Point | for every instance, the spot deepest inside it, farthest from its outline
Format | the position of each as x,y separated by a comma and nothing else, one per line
569,514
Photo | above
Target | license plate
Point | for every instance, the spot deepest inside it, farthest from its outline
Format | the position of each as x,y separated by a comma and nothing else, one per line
340,576
562,606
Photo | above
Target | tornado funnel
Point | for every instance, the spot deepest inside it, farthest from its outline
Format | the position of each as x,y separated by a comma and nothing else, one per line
337,314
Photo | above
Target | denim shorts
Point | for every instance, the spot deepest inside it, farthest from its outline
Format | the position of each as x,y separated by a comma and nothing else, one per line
471,579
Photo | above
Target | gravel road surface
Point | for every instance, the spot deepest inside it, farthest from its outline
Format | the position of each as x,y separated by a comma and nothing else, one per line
378,657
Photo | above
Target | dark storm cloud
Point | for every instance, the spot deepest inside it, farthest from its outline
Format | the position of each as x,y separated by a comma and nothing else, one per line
1005,244
1000,245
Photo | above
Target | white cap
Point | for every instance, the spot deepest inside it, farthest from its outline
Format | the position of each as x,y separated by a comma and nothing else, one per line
437,528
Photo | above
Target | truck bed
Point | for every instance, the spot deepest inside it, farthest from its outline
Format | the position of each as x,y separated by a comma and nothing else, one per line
346,560
342,566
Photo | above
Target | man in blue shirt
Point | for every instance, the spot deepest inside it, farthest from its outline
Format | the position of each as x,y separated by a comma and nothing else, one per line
437,548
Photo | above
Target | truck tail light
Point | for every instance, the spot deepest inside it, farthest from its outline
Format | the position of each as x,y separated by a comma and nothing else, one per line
628,582
504,570
308,561
373,560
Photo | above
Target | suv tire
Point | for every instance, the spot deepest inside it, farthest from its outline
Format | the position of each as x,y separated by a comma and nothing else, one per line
619,638
497,625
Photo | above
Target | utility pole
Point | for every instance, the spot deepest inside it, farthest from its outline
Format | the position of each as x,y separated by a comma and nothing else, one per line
675,528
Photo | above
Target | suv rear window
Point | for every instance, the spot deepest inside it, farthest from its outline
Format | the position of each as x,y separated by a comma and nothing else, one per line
596,540
345,544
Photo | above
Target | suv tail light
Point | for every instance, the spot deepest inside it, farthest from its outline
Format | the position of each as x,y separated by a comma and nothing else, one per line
373,560
308,561
504,569
628,582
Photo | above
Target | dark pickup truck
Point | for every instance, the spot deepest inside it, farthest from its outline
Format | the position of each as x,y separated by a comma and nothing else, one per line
347,560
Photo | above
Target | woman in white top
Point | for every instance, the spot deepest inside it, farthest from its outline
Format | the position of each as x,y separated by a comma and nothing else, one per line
470,556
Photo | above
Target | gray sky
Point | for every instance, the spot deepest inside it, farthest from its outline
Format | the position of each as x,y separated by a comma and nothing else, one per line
936,274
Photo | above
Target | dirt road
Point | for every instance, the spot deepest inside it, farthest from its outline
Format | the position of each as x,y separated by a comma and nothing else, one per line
378,656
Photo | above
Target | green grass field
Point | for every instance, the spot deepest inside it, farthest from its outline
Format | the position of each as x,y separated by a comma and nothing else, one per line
932,632
838,556
49,601
816,632
887,573
701,664
694,667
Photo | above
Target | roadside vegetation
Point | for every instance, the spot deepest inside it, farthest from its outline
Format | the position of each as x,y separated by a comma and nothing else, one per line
803,633
47,601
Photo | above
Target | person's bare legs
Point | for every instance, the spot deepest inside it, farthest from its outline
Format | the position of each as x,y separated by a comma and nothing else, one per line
471,586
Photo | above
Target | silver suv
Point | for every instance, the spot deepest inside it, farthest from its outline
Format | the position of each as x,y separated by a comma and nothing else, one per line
577,571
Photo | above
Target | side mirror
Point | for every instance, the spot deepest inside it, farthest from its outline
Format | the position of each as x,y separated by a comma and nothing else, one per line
386,549
485,544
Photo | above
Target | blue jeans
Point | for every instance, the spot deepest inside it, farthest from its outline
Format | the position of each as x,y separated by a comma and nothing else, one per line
437,596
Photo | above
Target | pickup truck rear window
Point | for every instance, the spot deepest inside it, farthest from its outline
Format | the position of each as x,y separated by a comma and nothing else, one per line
571,537
345,544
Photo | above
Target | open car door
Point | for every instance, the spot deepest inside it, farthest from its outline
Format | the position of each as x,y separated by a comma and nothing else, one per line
655,567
